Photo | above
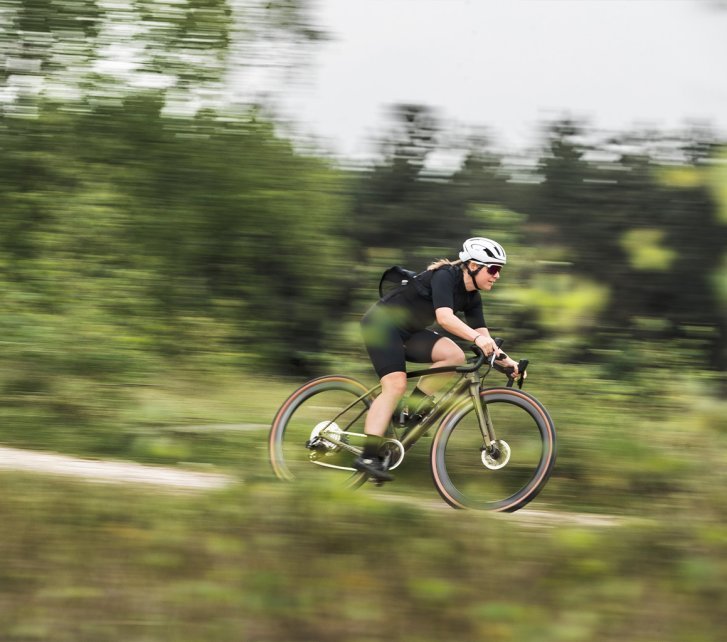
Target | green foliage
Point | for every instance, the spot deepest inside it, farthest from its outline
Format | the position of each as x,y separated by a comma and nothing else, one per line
258,561
563,304
718,184
99,50
646,251
720,285
111,265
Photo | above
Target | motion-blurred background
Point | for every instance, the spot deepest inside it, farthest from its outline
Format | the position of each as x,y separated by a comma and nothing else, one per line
179,249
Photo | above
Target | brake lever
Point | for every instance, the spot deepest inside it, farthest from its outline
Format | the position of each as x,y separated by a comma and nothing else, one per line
491,358
522,366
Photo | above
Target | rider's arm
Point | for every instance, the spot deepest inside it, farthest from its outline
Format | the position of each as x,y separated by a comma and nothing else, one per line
475,319
452,323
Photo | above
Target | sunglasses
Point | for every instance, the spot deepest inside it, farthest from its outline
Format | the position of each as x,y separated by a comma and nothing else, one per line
491,269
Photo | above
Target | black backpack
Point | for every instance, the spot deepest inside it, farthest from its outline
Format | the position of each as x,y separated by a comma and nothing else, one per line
393,280
396,278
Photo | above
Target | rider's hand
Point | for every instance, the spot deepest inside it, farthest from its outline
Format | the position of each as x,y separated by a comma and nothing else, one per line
487,345
510,363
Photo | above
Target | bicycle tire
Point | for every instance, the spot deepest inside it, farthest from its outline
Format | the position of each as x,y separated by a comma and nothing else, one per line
294,422
460,473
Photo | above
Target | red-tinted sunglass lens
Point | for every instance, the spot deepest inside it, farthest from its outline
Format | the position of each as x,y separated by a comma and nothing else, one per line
494,269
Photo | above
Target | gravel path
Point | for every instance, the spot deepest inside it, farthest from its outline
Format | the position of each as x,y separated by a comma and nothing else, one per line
109,471
106,471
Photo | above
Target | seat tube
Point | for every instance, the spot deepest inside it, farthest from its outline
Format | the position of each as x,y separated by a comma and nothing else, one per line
483,415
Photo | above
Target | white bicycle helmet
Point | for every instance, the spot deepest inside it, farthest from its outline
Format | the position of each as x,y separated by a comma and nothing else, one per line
483,250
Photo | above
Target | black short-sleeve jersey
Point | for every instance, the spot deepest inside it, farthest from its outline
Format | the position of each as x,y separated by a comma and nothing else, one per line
413,309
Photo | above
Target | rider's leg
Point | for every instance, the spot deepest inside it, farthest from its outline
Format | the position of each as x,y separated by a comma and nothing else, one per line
444,353
393,387
385,345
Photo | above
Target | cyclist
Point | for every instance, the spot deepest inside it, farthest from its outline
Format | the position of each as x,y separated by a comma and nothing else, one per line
396,330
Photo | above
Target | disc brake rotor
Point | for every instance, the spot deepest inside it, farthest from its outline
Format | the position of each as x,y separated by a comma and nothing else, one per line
497,457
321,430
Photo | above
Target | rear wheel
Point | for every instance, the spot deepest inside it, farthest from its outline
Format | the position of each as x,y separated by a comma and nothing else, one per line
509,474
319,429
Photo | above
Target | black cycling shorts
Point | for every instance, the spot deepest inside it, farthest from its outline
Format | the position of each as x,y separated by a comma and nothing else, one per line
390,347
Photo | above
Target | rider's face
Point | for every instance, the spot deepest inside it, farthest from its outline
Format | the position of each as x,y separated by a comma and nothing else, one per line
486,279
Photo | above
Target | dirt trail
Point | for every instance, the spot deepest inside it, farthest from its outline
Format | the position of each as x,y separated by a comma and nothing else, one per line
105,471
109,471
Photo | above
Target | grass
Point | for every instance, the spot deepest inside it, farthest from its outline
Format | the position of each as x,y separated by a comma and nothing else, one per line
178,419
264,561
272,562
614,443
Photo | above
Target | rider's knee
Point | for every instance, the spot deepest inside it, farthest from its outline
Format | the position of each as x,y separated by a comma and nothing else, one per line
394,384
453,355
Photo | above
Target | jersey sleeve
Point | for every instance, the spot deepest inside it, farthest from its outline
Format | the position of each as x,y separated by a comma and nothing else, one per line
443,283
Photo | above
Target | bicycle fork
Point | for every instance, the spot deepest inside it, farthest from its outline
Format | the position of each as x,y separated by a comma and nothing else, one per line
483,417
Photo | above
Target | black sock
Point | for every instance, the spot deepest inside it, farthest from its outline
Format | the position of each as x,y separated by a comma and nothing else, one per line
371,447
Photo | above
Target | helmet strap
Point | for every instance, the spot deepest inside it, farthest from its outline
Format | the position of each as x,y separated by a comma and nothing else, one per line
473,274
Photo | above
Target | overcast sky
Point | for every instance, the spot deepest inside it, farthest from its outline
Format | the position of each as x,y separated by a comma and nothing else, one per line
510,64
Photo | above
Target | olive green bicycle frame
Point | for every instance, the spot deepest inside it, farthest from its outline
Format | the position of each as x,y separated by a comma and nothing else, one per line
467,385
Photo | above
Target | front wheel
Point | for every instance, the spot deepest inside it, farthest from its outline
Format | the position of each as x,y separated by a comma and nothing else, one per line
509,474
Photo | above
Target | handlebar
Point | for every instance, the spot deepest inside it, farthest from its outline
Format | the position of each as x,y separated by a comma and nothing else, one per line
476,365
482,358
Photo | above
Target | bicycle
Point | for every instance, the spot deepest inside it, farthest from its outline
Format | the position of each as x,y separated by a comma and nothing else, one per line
320,426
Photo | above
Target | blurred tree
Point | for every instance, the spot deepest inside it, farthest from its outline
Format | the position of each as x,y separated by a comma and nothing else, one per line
404,206
622,226
185,230
187,217
75,49
389,197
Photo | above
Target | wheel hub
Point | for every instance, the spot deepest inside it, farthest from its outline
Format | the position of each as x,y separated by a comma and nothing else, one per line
321,431
497,455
